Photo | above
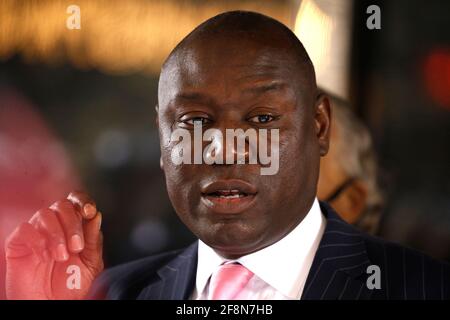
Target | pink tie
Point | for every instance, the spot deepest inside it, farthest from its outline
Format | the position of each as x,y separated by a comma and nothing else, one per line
228,281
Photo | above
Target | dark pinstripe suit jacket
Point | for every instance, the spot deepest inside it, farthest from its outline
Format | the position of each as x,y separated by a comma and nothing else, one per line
339,271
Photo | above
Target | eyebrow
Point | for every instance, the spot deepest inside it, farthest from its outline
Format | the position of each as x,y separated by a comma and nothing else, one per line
195,97
257,89
265,87
192,96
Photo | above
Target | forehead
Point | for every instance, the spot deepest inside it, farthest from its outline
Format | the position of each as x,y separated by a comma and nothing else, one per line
228,70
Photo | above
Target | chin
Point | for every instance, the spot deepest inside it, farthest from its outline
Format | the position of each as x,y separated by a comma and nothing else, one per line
232,239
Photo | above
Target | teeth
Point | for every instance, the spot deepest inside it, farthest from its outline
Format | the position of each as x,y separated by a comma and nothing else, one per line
228,191
228,194
232,196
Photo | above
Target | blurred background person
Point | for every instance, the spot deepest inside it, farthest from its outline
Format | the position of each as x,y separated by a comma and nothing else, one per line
348,173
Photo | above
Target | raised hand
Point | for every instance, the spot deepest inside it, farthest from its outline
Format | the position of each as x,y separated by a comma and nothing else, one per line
56,254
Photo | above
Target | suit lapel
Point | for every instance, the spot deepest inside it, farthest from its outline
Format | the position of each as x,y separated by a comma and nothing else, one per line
176,279
339,267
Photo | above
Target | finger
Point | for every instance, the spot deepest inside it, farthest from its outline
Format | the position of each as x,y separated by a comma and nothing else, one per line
71,222
83,203
46,222
93,250
26,240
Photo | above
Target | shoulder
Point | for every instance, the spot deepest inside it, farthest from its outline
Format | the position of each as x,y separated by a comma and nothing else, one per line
407,273
127,280
385,252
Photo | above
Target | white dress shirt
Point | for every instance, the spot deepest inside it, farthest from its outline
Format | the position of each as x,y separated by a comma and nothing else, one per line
280,270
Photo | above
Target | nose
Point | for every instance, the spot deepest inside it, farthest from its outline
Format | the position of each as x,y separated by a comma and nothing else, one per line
233,145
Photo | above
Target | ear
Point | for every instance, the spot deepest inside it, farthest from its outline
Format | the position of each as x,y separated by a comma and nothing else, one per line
322,119
355,198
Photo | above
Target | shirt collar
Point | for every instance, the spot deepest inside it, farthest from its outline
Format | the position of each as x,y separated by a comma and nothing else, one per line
293,256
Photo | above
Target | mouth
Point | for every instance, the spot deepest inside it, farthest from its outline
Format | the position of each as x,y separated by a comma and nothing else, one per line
229,196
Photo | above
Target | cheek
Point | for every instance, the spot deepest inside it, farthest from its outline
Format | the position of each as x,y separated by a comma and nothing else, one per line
179,181
292,152
183,188
299,160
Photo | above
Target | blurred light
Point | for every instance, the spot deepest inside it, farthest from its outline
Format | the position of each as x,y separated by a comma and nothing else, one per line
313,27
324,28
116,37
150,236
112,148
437,76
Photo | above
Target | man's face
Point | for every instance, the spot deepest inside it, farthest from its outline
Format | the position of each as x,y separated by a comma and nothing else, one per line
229,86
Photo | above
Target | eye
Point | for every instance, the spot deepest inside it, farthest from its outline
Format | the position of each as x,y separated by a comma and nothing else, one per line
193,120
262,118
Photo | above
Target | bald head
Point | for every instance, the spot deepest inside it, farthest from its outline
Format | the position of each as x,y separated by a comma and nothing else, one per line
259,37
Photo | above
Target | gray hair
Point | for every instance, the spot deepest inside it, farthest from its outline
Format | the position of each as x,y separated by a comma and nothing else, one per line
357,157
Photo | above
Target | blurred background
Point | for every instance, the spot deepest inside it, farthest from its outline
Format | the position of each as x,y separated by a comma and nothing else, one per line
77,108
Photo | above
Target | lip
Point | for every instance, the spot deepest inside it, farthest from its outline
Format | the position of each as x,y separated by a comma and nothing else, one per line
229,205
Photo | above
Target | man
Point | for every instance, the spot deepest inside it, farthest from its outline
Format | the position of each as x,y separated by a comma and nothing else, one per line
348,173
260,236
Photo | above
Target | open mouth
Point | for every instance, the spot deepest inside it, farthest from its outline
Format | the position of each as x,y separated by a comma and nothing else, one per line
229,196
